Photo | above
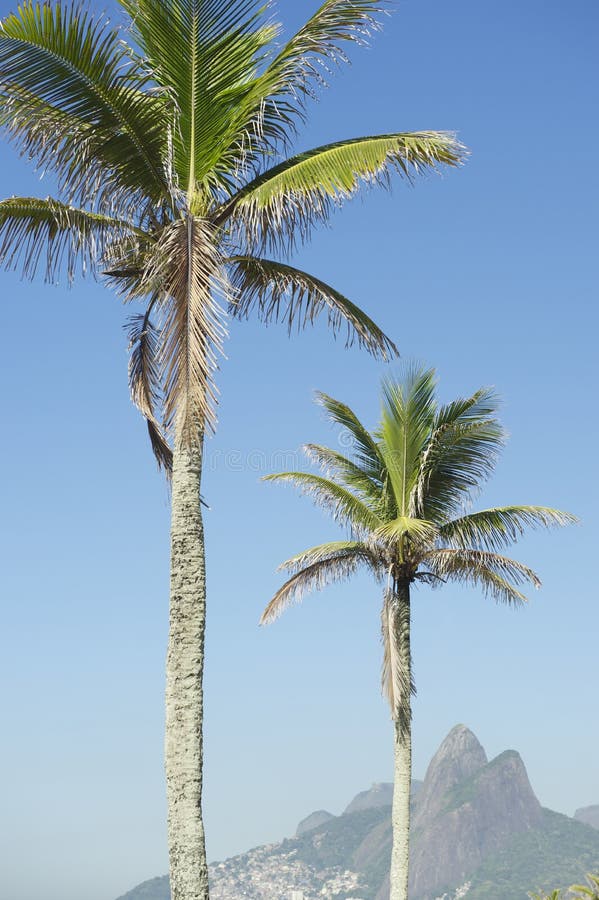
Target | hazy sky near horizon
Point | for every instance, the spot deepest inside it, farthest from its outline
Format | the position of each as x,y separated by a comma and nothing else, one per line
489,274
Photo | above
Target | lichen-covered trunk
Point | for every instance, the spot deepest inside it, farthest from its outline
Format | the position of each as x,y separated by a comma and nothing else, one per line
184,669
400,813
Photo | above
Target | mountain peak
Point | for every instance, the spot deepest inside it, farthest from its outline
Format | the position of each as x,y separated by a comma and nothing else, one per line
380,794
459,757
314,820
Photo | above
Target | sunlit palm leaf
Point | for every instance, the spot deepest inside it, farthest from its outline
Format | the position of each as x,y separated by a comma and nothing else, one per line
282,293
407,413
494,529
393,532
290,197
205,53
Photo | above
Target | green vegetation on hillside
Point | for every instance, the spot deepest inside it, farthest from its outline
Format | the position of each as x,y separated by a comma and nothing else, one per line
557,854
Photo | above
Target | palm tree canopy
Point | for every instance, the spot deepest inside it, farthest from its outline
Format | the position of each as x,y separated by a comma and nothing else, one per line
164,141
402,494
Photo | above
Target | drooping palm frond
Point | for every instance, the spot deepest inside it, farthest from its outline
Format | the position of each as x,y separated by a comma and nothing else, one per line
497,575
279,292
71,71
187,268
397,680
343,505
289,198
334,550
145,381
494,529
315,568
33,231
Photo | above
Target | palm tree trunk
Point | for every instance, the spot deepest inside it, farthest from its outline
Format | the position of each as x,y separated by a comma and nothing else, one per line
400,813
184,669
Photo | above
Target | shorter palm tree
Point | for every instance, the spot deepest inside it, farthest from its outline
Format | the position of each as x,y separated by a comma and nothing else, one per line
401,493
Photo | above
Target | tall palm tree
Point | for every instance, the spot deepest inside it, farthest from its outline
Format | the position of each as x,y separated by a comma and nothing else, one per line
163,140
401,494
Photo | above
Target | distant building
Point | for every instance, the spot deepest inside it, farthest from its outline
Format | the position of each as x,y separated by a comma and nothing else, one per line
296,895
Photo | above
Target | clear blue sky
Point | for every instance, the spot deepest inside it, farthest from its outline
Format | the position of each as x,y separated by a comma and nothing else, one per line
488,273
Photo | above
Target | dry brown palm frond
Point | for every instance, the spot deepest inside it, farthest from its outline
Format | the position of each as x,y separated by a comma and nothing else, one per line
396,675
144,381
187,269
318,567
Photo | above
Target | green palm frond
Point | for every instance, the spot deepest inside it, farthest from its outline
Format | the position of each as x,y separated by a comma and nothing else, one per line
291,197
408,409
327,565
460,452
494,529
34,231
458,459
591,889
343,505
306,59
205,54
74,72
554,895
396,531
279,292
483,404
366,450
498,576
351,474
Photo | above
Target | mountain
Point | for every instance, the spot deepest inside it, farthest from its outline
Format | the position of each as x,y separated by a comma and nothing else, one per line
588,814
313,821
475,822
380,794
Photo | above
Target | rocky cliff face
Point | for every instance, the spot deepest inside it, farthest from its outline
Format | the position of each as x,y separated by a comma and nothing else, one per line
459,757
471,819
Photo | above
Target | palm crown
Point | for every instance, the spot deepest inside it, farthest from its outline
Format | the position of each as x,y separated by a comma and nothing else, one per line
402,495
163,151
